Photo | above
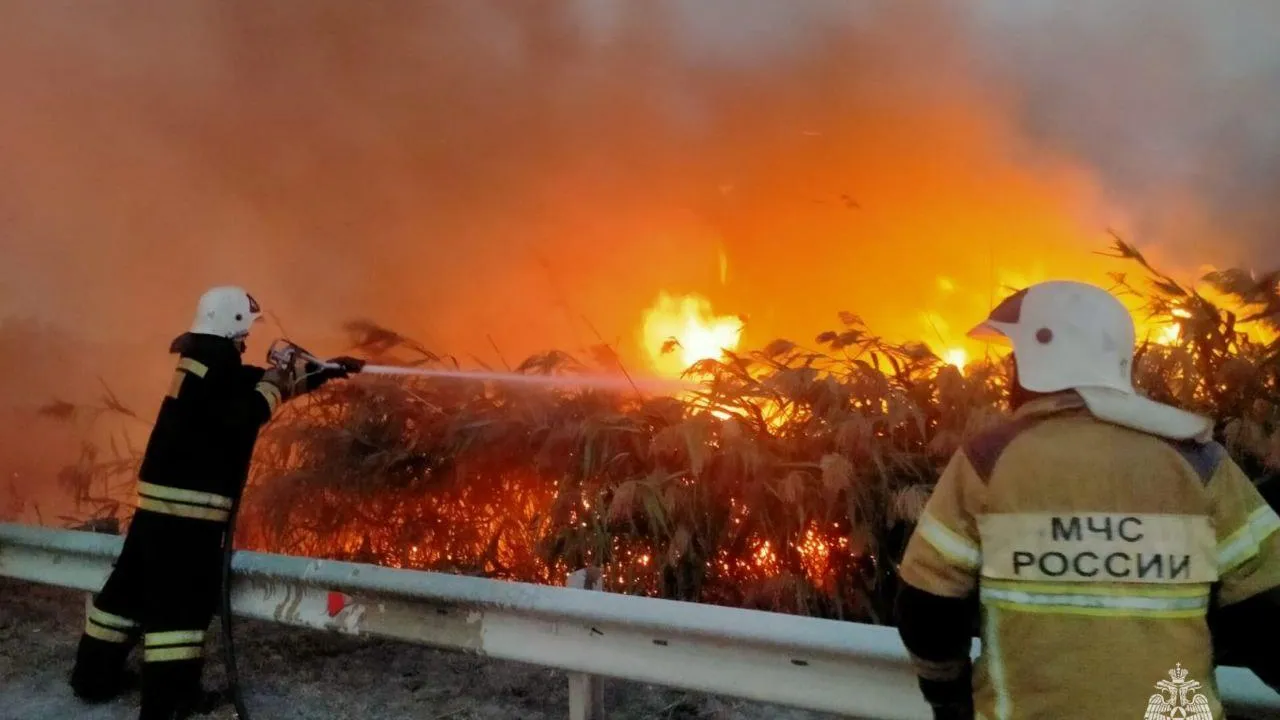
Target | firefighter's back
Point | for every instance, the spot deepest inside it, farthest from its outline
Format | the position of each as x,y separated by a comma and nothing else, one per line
1098,554
1095,530
200,446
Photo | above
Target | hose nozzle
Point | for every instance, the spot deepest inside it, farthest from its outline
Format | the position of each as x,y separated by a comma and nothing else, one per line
287,355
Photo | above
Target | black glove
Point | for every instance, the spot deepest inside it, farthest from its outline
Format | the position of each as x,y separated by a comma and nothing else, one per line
348,364
339,367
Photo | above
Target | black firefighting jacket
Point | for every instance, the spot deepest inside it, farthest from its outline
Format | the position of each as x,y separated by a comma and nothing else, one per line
197,458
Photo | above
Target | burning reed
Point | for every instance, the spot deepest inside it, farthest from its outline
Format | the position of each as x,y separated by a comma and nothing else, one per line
788,480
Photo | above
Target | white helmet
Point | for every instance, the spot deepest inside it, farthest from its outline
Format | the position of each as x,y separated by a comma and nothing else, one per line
1075,336
226,312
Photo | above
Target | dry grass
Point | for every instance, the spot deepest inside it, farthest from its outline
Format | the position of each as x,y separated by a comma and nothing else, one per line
788,481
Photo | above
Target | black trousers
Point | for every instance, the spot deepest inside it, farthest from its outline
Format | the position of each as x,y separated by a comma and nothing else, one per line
163,591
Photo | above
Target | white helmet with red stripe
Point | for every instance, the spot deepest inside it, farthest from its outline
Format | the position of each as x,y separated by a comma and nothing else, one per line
1075,336
228,312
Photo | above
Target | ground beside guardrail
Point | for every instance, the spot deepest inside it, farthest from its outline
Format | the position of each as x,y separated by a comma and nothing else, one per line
297,674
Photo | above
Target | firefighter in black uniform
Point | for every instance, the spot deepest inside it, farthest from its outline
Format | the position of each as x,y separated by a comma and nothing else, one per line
164,587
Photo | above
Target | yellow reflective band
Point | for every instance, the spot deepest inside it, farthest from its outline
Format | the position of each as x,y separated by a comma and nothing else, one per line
186,366
173,645
1245,543
96,631
991,647
106,619
170,654
192,497
194,367
1165,591
271,393
952,546
175,386
174,637
195,512
1264,522
1097,602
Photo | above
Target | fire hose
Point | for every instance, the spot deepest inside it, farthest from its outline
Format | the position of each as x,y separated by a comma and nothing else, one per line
282,355
228,642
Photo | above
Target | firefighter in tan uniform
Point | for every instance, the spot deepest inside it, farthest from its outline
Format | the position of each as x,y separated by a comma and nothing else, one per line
1106,541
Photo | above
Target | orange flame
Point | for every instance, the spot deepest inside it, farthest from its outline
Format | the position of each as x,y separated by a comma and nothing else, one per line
680,331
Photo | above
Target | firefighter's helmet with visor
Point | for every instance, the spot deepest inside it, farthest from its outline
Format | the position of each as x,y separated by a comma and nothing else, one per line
1070,335
228,312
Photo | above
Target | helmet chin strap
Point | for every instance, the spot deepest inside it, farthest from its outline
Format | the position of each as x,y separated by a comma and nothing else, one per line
1018,395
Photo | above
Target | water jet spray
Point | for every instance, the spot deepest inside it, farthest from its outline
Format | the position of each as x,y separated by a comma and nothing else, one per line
285,354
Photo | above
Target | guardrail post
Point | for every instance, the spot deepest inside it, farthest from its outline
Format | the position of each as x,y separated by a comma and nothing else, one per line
586,692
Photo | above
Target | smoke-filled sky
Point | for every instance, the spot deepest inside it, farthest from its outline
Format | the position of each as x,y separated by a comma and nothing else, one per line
517,169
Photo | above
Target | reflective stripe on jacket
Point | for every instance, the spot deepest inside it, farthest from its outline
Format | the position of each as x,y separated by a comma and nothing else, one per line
197,458
1095,553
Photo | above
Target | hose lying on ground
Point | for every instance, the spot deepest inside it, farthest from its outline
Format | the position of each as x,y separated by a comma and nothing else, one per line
228,642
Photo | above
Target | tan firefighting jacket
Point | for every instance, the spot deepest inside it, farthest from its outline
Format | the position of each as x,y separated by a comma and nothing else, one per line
1094,552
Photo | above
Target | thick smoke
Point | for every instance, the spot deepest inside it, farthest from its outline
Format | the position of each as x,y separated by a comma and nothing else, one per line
1172,104
528,173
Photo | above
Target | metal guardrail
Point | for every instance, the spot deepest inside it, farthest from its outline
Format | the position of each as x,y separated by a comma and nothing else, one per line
825,665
